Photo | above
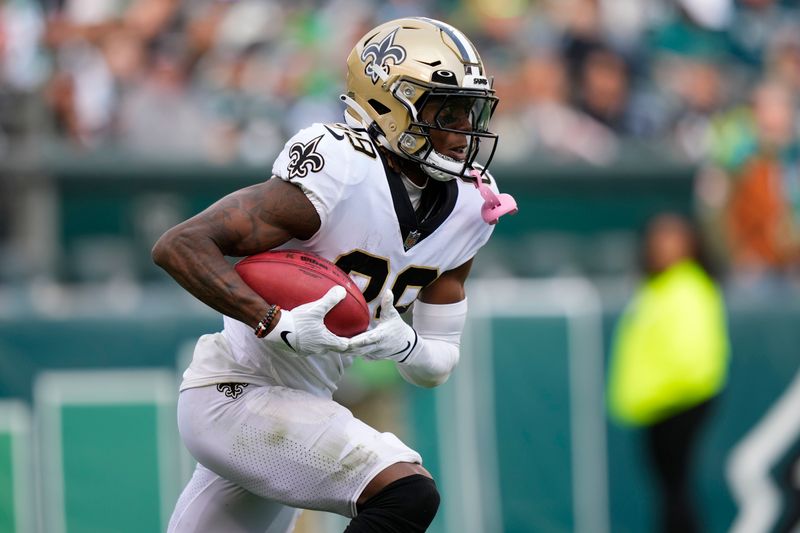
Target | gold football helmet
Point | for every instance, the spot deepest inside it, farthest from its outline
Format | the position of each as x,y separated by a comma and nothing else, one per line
411,76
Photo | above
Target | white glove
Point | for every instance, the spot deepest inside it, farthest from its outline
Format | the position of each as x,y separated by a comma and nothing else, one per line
391,339
302,331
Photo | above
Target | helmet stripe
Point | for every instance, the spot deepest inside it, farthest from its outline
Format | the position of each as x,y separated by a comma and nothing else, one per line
468,53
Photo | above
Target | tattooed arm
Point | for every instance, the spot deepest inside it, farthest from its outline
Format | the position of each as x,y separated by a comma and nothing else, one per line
248,221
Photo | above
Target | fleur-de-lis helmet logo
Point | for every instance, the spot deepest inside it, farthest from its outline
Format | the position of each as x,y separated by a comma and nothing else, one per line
304,158
379,54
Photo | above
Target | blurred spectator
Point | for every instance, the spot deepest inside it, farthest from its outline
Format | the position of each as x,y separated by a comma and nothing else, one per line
92,43
540,116
693,93
755,24
81,94
668,362
23,68
602,91
162,114
697,29
22,65
782,57
690,55
752,194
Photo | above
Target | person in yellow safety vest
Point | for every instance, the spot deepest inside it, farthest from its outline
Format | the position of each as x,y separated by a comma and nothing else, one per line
669,360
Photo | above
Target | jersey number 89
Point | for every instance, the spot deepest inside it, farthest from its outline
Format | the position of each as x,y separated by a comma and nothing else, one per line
377,270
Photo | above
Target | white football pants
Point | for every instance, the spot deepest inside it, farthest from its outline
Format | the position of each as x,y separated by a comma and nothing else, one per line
264,452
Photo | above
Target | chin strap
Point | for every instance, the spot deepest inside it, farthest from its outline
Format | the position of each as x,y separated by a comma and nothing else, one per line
494,205
438,160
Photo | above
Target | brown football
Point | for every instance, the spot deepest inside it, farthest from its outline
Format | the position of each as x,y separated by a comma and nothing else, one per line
290,278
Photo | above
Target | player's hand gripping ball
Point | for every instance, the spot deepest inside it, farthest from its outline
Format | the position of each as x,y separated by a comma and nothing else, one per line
290,278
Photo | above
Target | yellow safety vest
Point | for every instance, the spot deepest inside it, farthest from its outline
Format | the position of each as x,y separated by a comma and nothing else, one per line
670,350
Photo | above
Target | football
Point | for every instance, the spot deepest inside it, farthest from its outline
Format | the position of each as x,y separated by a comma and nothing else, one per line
290,278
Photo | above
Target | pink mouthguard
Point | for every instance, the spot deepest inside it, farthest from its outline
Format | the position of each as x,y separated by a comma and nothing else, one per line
494,205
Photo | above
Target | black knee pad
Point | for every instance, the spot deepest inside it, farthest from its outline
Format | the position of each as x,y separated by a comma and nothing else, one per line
407,505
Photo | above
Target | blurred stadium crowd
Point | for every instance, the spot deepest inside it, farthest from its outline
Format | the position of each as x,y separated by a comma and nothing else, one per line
709,82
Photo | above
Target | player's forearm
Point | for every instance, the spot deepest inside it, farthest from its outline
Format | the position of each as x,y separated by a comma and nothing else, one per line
433,363
439,328
198,265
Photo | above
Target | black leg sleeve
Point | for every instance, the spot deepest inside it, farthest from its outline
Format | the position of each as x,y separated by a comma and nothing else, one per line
407,505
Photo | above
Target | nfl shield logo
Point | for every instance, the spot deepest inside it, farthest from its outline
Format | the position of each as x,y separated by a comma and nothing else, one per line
411,239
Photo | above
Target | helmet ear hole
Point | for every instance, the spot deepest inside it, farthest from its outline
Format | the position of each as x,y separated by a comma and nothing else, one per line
378,107
445,76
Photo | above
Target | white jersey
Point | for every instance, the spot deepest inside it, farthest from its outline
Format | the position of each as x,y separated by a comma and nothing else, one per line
370,230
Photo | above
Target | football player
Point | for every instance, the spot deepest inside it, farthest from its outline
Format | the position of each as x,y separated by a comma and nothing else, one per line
395,198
